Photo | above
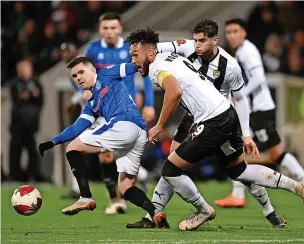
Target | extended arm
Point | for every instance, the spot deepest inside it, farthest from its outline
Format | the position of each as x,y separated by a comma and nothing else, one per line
172,96
72,131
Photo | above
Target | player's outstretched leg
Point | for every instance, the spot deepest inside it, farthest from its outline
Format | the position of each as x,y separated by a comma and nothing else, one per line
161,196
85,202
187,190
260,194
263,176
284,160
139,198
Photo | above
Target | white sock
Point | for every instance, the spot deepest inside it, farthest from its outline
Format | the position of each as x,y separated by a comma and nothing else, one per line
263,176
75,186
142,174
291,164
187,190
260,194
238,189
162,194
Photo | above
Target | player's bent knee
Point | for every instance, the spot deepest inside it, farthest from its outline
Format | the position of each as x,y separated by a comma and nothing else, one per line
235,171
170,170
106,157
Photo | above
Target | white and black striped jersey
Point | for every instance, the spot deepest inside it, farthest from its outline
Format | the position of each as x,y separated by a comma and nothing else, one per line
223,71
256,86
200,98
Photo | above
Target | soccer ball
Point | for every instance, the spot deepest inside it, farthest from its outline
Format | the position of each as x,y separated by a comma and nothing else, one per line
26,200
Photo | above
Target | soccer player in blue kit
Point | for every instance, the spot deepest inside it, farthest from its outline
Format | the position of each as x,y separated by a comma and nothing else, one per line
124,134
112,49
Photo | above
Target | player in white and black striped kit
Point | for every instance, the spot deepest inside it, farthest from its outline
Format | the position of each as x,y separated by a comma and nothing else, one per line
223,71
217,131
262,117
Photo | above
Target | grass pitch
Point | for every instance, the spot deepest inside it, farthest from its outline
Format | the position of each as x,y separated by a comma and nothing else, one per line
245,225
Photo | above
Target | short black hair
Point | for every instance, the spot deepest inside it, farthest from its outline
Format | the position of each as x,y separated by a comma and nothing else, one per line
110,16
78,60
143,36
238,21
206,26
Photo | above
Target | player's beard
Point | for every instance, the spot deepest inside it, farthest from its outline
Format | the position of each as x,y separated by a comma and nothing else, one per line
145,69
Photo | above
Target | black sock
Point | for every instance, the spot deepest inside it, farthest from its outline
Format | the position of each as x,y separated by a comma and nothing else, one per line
110,178
77,163
139,198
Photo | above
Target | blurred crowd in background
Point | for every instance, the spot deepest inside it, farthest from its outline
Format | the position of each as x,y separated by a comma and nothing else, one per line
36,30
35,36
279,39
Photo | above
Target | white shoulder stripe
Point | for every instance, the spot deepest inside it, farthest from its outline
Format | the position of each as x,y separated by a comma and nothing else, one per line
122,70
87,117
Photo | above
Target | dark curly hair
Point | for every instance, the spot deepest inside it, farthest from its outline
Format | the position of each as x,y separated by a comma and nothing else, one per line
206,26
143,36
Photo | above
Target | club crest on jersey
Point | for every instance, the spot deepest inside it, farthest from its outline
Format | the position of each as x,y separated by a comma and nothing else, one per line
123,54
216,74
100,56
98,85
180,42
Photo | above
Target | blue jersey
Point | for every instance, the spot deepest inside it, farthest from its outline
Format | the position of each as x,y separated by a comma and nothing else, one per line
110,99
102,56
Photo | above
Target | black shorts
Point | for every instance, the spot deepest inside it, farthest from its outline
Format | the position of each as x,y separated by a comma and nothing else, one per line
220,136
263,125
183,128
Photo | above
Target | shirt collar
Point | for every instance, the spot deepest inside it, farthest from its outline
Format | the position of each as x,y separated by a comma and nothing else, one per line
119,44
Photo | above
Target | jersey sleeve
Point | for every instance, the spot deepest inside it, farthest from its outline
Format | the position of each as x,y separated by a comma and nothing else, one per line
87,113
158,72
235,78
183,47
149,92
83,122
119,70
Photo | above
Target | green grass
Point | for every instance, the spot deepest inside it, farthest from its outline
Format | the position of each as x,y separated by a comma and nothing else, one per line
245,225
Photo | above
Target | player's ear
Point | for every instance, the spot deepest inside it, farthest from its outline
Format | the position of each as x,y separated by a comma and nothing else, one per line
120,29
215,40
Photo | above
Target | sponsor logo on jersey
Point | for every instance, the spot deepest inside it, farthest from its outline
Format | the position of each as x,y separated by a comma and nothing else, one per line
180,42
216,74
103,92
100,56
123,54
109,66
156,73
